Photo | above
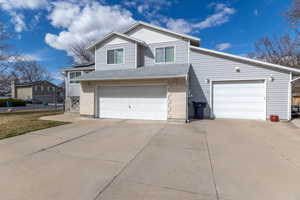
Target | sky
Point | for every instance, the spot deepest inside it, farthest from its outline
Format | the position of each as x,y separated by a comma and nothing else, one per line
45,29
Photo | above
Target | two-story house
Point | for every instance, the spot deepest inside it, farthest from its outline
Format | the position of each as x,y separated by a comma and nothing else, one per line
149,72
44,91
72,86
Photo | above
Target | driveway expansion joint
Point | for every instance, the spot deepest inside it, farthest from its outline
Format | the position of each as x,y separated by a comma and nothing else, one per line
72,139
211,164
127,165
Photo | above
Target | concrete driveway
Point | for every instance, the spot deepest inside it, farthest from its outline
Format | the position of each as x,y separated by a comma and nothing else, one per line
128,160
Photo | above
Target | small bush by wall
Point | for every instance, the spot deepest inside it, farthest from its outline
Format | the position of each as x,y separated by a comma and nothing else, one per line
13,102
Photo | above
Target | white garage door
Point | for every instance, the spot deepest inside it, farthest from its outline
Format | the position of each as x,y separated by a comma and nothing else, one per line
133,102
239,100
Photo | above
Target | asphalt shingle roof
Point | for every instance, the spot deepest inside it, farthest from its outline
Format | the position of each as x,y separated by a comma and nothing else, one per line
147,72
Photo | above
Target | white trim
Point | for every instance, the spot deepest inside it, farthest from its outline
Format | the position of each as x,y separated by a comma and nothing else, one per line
211,99
290,97
266,98
117,34
237,80
115,48
134,78
164,47
75,71
295,79
161,29
163,83
246,59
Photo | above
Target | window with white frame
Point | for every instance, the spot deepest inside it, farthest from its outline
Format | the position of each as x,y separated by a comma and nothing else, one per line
164,55
50,89
74,75
115,56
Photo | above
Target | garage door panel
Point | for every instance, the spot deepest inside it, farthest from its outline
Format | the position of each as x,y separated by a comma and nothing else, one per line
133,102
239,99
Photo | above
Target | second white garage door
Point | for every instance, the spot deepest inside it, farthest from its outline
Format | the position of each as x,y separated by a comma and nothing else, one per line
239,100
133,102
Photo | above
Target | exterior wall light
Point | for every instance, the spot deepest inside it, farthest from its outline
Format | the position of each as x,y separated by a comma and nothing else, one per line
207,80
237,69
271,78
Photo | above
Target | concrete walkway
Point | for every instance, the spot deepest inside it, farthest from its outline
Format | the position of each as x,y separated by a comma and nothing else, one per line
128,160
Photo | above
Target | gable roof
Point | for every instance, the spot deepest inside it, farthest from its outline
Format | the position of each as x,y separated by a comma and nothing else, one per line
244,59
148,72
140,23
109,35
29,84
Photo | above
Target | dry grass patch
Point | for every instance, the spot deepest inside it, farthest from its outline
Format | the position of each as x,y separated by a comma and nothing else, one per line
13,124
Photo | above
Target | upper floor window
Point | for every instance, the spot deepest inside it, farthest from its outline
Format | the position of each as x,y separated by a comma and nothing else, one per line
74,75
115,56
164,55
50,89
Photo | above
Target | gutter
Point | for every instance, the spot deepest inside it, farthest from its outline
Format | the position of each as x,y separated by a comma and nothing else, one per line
132,78
295,79
249,60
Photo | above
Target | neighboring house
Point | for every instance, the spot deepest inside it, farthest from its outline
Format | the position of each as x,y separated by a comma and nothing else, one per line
72,86
40,90
148,72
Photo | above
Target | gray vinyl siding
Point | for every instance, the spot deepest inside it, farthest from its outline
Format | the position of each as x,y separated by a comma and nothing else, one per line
181,51
210,67
73,90
129,57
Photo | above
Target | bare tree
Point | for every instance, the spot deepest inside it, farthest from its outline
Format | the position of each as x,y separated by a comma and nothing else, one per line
30,71
80,54
283,51
293,13
5,53
5,57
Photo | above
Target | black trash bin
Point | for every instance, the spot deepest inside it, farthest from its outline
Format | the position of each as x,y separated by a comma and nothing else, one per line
199,109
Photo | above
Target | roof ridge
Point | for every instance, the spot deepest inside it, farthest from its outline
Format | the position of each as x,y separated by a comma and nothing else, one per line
258,62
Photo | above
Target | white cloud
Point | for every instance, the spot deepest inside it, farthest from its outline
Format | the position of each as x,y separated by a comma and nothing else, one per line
84,22
57,76
255,12
221,16
23,4
18,21
149,8
223,46
179,25
17,18
32,57
63,14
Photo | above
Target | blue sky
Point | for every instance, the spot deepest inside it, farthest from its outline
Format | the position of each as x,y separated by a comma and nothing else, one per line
44,29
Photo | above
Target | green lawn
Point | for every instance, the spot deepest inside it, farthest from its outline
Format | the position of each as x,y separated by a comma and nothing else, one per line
13,124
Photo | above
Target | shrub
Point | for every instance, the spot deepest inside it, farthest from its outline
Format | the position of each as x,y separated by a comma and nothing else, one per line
14,102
